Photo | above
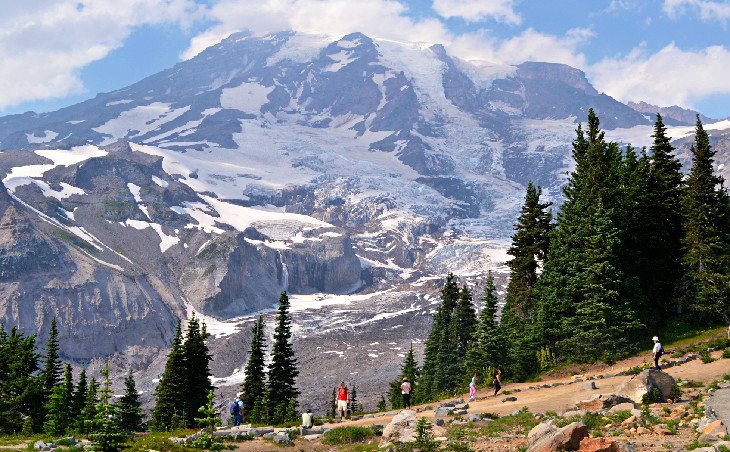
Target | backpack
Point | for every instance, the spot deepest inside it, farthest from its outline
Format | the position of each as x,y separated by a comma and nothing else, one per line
661,351
234,408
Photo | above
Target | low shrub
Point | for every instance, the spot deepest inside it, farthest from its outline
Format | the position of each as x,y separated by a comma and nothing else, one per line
726,353
675,393
706,357
347,435
652,396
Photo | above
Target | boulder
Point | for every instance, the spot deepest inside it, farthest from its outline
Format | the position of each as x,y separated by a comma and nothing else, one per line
312,437
39,445
509,399
602,402
715,428
402,428
566,438
443,411
626,406
588,385
540,430
598,445
459,412
475,417
283,438
461,406
440,422
637,386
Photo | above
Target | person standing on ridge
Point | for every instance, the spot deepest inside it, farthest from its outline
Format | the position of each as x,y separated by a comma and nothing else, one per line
342,397
405,392
497,381
657,352
473,387
237,410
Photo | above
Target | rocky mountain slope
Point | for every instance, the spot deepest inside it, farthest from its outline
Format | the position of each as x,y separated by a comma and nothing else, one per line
284,162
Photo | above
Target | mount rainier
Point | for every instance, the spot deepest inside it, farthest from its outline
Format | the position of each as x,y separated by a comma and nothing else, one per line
353,173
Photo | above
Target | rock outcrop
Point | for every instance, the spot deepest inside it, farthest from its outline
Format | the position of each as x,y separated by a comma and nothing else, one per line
643,383
545,437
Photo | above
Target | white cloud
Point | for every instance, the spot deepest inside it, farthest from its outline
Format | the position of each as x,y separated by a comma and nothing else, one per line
707,9
44,43
477,10
671,76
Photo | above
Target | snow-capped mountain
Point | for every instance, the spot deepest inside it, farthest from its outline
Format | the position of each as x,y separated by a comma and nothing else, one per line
283,162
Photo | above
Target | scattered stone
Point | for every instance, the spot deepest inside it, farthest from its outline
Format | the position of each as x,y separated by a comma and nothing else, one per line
440,422
475,417
571,413
662,429
368,416
268,435
715,428
39,445
641,430
598,445
402,428
459,412
461,406
312,437
509,399
631,420
540,430
589,385
178,441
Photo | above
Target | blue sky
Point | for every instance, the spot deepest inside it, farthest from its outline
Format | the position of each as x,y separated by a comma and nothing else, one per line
58,52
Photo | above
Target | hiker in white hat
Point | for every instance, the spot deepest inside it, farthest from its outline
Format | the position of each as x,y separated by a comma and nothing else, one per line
657,352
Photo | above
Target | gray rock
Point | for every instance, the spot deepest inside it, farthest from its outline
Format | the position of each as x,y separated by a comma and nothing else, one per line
283,438
443,411
268,435
509,399
440,422
475,417
39,445
461,406
312,437
459,412
636,387
589,385
178,441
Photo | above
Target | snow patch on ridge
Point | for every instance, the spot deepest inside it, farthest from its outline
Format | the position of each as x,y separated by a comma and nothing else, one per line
246,97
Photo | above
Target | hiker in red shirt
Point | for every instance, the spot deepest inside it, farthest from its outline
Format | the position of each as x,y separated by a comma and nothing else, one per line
342,400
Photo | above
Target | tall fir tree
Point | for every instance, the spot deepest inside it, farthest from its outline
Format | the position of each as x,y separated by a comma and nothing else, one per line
108,435
172,387
129,408
78,400
90,407
59,406
21,391
594,189
52,367
528,250
465,318
706,261
440,371
283,371
196,362
662,219
410,370
254,383
488,350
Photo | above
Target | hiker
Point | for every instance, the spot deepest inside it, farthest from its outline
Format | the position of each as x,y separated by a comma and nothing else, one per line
405,392
342,398
237,410
497,381
473,387
657,352
307,419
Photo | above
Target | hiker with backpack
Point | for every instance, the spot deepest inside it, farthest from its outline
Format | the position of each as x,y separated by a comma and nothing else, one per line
405,391
236,410
657,352
497,381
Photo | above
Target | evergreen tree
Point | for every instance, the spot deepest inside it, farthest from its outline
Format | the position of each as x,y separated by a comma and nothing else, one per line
283,370
172,387
662,219
260,412
381,404
255,380
60,405
196,363
440,366
90,407
594,200
129,407
107,436
78,400
354,404
410,370
465,318
707,259
21,392
528,250
52,367
488,349
333,403
209,420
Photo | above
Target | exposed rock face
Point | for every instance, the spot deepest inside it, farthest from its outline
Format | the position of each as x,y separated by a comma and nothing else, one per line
636,387
598,445
602,402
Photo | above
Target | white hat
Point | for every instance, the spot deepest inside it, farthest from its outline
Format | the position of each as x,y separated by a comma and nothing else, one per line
239,394
655,339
